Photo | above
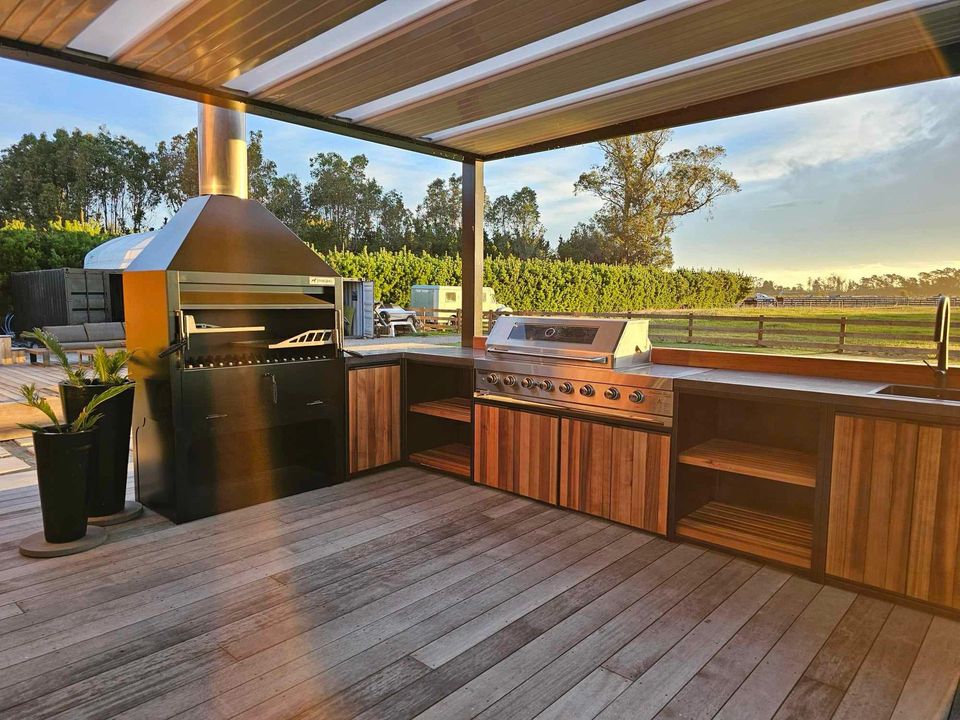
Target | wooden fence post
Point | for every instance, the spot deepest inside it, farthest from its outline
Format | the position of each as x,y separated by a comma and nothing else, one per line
843,333
690,329
760,332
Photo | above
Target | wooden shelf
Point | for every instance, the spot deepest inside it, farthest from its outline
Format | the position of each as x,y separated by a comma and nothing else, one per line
762,461
775,537
453,458
456,408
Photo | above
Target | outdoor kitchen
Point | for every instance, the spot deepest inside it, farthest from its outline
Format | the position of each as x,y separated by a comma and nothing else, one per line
249,507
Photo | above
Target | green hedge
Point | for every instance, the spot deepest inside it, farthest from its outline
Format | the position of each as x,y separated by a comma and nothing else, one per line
61,244
550,285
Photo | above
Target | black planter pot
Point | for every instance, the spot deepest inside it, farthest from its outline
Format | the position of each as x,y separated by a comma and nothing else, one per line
63,465
107,484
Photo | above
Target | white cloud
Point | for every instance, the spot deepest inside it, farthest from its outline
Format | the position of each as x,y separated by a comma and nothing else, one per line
844,130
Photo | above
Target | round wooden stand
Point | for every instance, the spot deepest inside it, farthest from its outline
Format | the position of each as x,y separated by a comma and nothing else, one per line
36,546
131,509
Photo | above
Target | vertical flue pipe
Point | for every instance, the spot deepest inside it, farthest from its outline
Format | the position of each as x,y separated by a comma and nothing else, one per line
222,150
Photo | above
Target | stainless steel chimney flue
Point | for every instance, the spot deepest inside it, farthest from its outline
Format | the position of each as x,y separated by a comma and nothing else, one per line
222,145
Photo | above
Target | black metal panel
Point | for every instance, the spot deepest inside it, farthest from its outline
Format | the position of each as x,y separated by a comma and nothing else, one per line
60,296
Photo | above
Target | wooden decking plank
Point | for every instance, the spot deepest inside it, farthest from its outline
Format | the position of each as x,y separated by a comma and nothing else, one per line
588,697
285,668
932,682
484,680
469,634
652,690
763,691
880,680
640,653
551,683
710,688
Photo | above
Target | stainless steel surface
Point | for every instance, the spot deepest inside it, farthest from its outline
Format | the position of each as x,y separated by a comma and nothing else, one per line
614,342
222,150
922,392
941,336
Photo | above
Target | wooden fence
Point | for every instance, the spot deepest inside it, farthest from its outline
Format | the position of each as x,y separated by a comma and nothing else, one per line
854,301
881,337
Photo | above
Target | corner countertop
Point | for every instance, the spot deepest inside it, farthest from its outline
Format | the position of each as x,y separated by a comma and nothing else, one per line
844,394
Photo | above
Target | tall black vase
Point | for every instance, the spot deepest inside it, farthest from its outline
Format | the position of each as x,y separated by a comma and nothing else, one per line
107,485
63,462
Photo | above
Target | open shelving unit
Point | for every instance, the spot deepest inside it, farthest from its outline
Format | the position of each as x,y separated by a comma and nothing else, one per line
747,475
440,417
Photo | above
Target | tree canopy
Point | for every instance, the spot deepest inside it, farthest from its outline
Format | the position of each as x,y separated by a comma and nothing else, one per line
645,191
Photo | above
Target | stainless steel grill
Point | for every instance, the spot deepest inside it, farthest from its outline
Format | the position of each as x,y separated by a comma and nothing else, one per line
599,366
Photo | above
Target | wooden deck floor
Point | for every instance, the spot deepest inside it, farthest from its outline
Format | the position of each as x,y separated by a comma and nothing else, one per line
408,594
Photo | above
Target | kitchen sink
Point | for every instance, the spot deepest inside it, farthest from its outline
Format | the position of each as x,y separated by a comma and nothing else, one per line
921,391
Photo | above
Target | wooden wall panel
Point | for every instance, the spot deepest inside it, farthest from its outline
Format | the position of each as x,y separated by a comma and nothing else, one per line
516,451
374,417
894,517
615,472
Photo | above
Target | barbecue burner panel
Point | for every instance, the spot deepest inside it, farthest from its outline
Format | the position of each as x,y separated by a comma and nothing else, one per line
604,392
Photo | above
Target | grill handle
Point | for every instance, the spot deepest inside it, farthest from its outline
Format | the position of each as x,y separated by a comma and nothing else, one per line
598,359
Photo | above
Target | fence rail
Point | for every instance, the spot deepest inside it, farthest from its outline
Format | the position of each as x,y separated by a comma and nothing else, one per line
853,301
880,337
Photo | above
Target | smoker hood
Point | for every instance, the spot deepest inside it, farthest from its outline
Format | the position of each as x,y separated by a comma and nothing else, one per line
223,233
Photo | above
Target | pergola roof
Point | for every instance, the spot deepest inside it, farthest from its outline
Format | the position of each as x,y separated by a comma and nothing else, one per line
483,79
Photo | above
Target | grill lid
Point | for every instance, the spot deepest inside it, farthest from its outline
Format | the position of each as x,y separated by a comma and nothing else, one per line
607,342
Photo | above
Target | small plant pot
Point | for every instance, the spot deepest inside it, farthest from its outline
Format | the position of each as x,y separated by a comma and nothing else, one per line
107,484
63,464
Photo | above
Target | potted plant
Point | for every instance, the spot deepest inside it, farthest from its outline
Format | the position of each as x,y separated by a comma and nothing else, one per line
107,485
63,452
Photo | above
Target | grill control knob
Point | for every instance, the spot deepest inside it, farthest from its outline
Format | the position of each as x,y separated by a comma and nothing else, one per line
587,391
509,381
528,382
545,385
566,388
637,396
492,378
611,393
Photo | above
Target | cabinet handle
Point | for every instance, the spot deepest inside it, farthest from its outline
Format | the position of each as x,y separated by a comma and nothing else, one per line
216,416
315,402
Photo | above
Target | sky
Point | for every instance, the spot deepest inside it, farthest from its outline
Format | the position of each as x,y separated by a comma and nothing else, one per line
856,186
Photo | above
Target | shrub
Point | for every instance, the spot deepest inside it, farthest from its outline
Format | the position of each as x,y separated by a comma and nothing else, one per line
549,285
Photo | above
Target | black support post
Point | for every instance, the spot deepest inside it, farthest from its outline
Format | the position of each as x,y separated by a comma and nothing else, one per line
471,250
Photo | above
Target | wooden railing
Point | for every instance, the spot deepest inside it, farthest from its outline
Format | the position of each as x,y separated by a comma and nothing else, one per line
852,301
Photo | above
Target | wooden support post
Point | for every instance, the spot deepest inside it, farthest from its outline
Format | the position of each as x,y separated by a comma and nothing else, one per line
471,252
760,332
843,333
690,328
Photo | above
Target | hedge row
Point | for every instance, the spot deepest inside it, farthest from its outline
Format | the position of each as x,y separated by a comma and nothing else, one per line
550,285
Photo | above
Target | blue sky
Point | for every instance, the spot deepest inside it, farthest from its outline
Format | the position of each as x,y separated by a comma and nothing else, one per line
855,185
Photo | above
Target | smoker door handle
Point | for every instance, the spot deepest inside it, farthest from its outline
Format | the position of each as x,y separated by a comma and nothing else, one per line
216,416
600,359
273,386
315,402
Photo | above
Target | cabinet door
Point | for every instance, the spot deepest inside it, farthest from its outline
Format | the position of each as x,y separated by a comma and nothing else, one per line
894,518
516,451
374,411
615,472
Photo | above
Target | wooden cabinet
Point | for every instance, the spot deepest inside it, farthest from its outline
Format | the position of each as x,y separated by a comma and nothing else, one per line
894,518
615,472
516,451
374,417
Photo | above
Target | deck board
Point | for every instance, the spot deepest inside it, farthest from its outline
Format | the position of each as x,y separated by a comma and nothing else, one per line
408,593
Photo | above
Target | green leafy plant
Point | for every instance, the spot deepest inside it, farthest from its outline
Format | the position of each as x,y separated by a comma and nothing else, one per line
76,375
108,367
86,420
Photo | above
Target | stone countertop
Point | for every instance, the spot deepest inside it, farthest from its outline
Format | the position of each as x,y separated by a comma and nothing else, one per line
853,394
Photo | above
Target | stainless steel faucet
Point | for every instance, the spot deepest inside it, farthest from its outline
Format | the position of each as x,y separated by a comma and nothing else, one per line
941,336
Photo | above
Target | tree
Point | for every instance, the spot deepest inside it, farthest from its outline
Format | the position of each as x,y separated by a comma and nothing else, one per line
286,200
261,172
515,227
439,217
646,192
395,222
176,169
587,243
344,199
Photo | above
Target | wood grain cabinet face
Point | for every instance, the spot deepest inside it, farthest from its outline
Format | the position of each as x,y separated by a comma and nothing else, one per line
615,472
374,411
894,518
516,451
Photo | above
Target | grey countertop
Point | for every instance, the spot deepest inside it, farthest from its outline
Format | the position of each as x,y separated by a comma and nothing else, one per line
852,394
